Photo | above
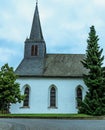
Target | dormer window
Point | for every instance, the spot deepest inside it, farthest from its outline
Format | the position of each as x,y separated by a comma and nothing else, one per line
34,50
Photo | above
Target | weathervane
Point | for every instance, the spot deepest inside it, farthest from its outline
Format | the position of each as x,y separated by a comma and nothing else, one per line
36,1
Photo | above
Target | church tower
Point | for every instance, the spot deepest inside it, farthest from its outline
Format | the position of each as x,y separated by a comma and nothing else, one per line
35,44
34,50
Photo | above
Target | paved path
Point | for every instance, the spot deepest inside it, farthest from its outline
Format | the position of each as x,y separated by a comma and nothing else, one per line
12,125
5,126
46,124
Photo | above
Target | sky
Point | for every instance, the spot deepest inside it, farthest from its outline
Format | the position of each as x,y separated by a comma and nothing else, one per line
65,26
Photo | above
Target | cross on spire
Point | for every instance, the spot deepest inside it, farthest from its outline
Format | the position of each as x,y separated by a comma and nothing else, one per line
36,1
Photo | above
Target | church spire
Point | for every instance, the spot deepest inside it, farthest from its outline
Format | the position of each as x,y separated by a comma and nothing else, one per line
36,1
36,31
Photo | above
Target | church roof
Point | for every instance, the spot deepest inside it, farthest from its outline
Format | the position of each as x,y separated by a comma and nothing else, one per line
55,65
64,65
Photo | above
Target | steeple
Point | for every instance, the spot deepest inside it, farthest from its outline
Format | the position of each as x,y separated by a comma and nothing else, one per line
34,50
35,45
36,31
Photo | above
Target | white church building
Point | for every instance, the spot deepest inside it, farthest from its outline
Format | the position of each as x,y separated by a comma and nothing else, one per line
52,82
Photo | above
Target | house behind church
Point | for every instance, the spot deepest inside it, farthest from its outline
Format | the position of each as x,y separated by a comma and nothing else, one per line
52,82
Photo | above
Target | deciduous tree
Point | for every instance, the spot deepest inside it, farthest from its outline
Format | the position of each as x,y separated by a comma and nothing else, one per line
9,88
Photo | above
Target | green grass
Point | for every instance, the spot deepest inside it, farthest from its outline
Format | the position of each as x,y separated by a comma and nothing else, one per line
56,116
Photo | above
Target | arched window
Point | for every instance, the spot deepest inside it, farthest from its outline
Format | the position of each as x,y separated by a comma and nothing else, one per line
34,50
52,97
79,95
26,100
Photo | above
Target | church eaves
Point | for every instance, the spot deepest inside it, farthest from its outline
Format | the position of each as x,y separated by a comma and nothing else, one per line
36,31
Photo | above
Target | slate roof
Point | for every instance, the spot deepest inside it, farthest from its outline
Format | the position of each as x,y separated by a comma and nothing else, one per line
54,65
30,67
36,31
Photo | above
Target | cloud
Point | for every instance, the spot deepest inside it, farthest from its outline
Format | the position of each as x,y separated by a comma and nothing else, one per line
65,25
99,3
5,54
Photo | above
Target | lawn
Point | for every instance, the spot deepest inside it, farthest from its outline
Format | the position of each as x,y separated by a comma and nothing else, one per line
49,116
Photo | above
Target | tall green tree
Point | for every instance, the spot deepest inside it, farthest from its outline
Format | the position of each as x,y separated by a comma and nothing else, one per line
94,101
9,88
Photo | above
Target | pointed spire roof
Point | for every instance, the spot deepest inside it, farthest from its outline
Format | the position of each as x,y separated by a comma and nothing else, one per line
36,31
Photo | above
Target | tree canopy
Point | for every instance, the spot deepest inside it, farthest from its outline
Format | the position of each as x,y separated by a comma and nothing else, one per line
9,88
94,101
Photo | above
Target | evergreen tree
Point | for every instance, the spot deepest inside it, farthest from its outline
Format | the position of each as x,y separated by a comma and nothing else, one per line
9,88
94,101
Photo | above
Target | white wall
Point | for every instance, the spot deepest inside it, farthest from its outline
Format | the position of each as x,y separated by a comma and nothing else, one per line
39,95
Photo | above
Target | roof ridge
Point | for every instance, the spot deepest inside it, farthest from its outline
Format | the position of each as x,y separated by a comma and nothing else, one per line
62,54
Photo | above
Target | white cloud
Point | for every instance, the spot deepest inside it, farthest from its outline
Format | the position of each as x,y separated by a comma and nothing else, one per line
99,3
6,54
64,23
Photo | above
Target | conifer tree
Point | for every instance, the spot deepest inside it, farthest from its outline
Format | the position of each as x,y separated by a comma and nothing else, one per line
9,88
94,101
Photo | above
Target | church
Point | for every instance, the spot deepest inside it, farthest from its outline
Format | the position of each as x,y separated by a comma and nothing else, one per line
51,82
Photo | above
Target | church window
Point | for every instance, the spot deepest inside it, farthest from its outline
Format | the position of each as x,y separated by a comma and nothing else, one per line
52,97
34,50
26,100
79,95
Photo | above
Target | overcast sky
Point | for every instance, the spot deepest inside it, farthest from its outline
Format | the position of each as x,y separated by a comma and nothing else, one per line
65,26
